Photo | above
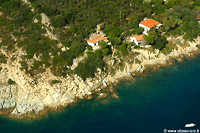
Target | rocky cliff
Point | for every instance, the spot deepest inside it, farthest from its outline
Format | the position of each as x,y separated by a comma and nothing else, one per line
33,95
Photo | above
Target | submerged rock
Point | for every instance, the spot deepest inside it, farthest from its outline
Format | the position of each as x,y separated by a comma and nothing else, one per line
102,95
114,95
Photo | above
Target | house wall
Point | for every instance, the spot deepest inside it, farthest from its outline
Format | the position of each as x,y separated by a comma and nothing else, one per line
145,32
94,44
91,44
132,39
145,28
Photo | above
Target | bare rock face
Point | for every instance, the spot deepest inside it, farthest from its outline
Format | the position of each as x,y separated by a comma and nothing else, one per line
7,93
45,20
26,96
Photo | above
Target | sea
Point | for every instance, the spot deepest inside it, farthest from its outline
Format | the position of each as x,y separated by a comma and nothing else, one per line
161,101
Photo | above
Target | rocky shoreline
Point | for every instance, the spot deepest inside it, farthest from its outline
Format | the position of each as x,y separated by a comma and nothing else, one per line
27,99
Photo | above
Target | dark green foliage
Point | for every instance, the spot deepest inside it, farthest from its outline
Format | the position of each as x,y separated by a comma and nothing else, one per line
149,39
138,31
36,65
114,40
103,45
105,48
74,20
105,51
77,48
24,65
135,31
137,47
83,16
112,31
11,82
181,19
123,49
55,82
58,21
159,6
155,39
3,58
89,66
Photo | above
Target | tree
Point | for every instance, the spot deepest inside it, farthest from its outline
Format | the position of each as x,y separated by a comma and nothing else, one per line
123,49
3,58
11,82
58,21
89,66
105,51
114,40
149,39
155,39
112,31
103,45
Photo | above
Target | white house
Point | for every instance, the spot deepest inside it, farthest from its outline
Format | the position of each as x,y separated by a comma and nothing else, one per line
137,39
147,24
94,42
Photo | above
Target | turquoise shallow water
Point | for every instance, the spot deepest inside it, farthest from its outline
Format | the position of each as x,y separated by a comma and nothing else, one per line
166,99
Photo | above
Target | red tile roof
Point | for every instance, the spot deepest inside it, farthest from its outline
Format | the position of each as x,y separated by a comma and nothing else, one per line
150,23
97,40
139,37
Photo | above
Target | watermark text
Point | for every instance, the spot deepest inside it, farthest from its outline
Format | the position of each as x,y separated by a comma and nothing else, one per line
182,131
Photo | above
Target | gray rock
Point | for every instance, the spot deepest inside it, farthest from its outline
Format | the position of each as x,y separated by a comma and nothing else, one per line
1,106
6,105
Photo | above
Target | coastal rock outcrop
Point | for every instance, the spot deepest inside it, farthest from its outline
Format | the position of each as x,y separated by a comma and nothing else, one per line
33,95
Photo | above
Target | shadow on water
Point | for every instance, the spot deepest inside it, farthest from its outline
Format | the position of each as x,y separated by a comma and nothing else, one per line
2,120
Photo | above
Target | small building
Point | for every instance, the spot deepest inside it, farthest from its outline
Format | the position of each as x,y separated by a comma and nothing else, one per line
95,42
137,39
147,24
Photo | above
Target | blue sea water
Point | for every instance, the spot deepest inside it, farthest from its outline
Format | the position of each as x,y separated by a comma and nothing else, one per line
166,99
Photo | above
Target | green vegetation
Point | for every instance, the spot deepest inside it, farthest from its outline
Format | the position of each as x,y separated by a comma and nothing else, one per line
155,39
105,48
137,47
11,82
89,66
123,49
168,48
179,17
75,20
114,41
3,58
55,82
